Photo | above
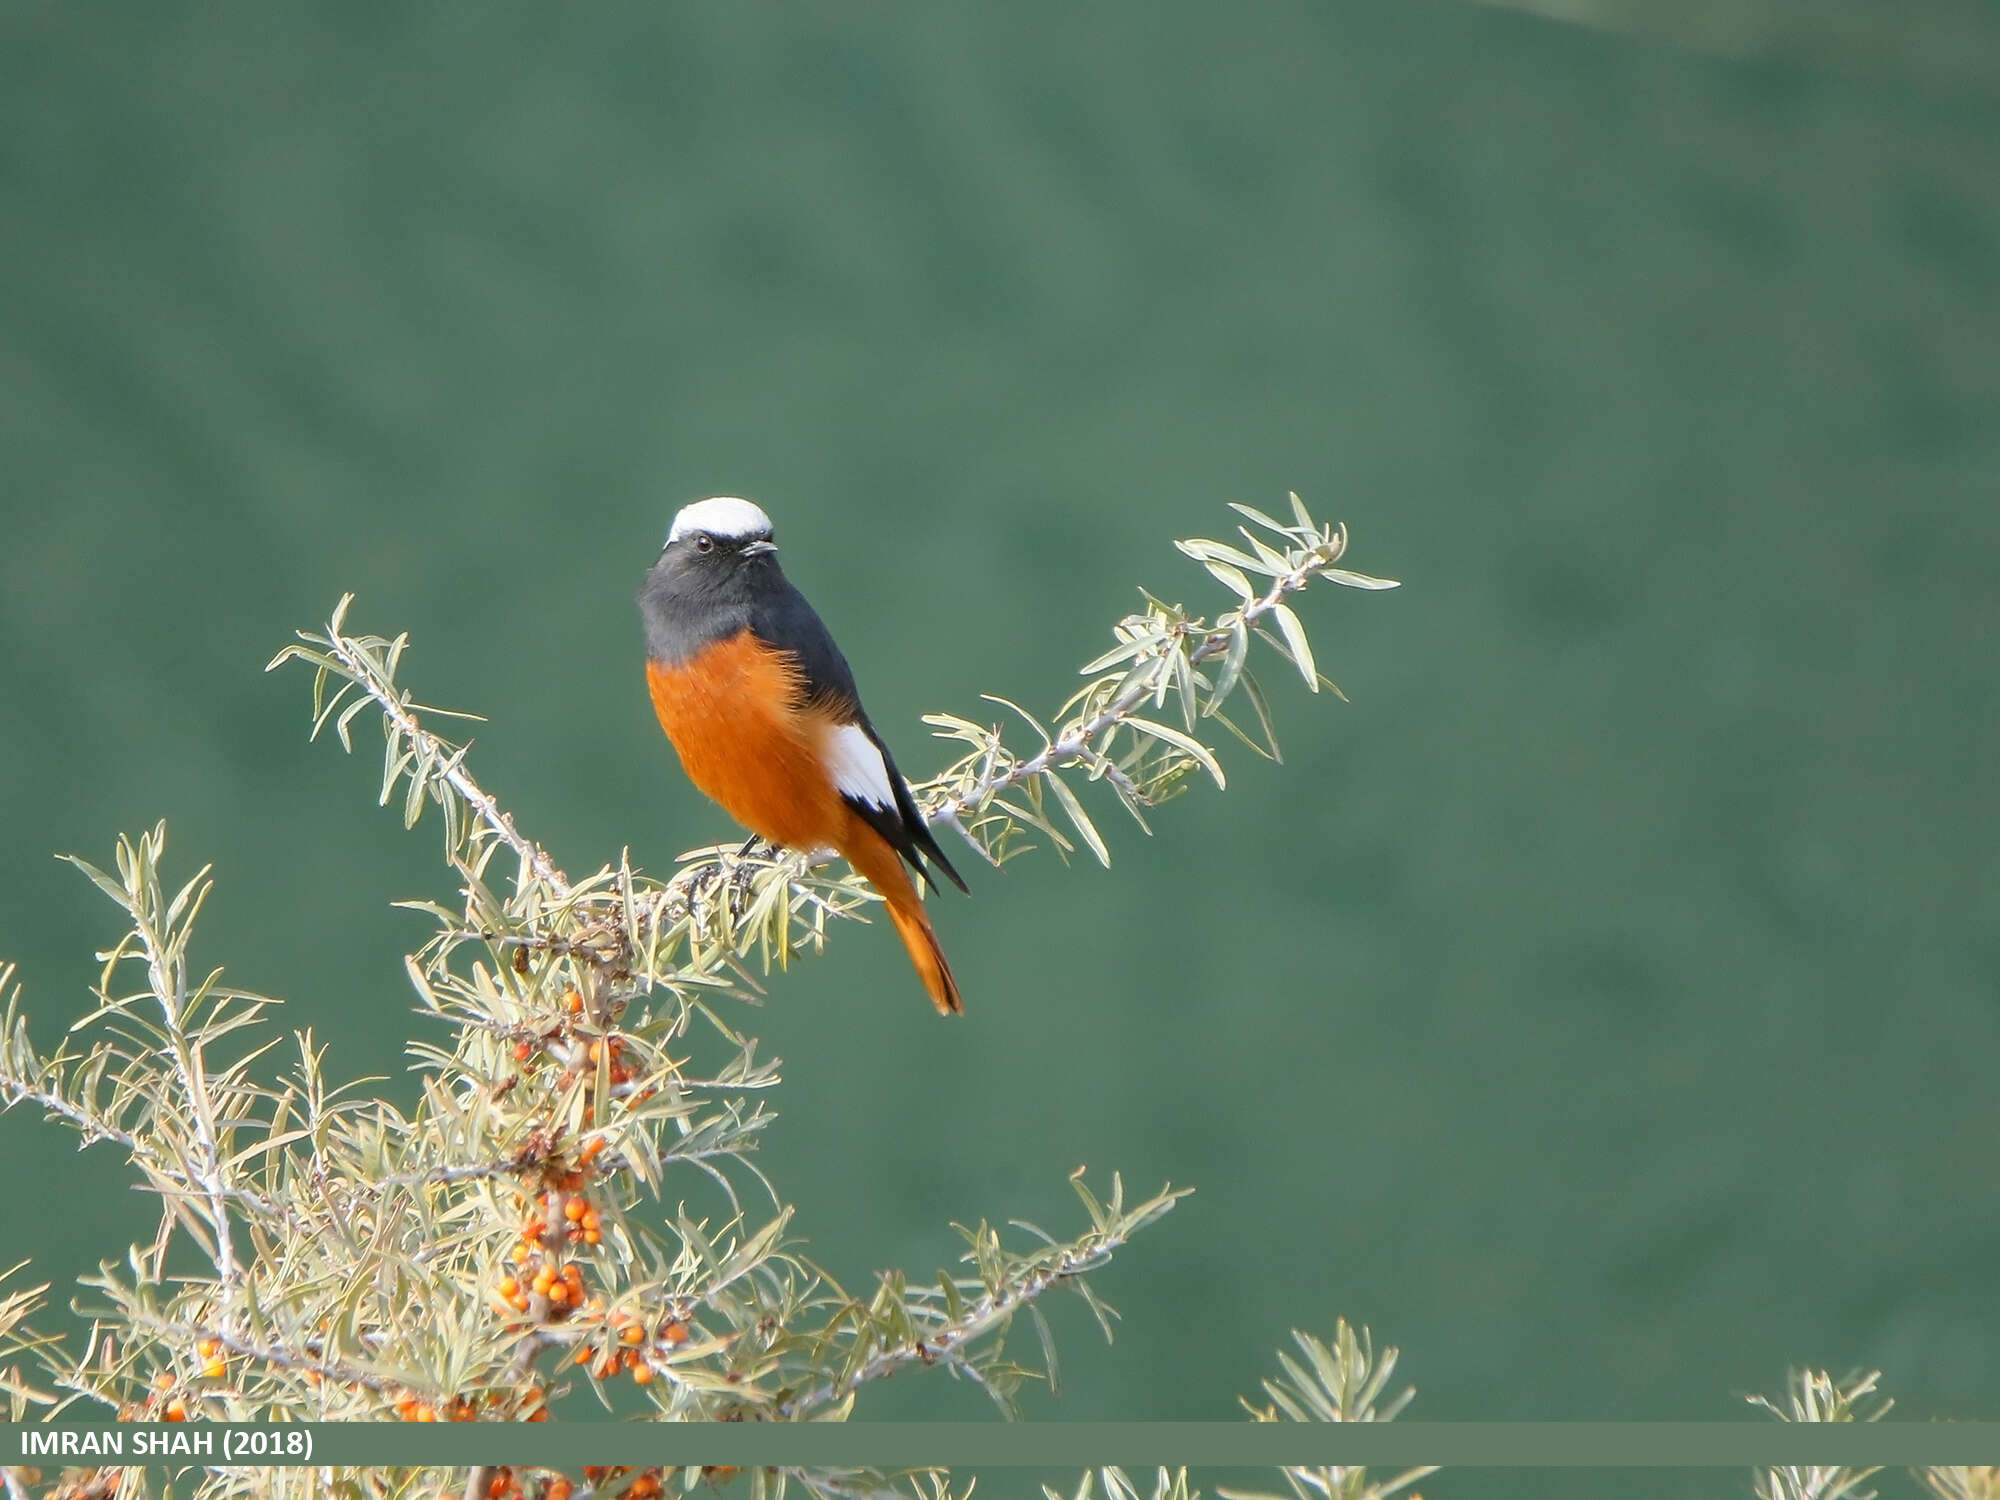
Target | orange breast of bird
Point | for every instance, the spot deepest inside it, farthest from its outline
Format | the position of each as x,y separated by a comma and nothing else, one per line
735,713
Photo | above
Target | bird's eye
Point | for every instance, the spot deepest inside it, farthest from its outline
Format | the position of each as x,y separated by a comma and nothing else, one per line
703,542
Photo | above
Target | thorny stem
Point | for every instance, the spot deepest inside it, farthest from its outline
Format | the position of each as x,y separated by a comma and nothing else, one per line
482,1171
978,1319
1075,744
452,766
284,1358
88,1125
93,1129
170,986
280,1356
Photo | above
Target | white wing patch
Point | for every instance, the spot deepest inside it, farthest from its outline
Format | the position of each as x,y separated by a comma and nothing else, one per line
724,516
857,766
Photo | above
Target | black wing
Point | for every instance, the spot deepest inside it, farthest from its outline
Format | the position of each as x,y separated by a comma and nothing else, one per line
782,618
903,825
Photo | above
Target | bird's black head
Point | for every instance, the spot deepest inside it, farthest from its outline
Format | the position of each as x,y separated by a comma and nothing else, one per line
718,559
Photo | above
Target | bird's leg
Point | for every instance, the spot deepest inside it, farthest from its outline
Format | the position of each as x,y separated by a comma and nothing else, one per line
697,895
755,847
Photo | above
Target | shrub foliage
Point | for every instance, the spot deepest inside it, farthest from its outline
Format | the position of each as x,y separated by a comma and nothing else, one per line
522,1232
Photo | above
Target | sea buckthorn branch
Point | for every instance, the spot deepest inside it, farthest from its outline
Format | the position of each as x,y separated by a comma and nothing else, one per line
349,1186
715,1322
1344,1381
20,1069
191,1180
1160,655
1816,1396
304,1360
939,1325
432,764
67,1085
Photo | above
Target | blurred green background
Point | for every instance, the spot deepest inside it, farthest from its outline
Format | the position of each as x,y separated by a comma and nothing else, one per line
1602,1007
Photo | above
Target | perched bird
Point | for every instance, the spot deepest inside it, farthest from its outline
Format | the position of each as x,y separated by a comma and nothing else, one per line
762,709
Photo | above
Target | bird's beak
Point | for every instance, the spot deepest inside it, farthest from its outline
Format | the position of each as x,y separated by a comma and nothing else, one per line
759,548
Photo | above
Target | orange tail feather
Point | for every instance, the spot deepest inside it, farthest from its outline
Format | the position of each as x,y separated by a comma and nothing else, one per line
915,930
873,857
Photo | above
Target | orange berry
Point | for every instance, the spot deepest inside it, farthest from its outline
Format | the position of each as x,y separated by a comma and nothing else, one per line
162,1381
544,1279
642,1374
575,1209
675,1332
215,1369
427,1413
590,1149
572,1002
606,1367
539,1414
632,1333
521,1253
508,1286
177,1410
559,1294
558,1488
519,1302
522,1052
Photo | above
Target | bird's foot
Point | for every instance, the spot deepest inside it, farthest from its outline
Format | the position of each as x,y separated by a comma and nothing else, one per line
740,870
